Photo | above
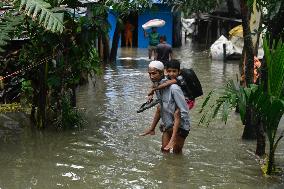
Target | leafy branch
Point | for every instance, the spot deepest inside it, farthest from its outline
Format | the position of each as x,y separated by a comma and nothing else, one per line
41,11
7,28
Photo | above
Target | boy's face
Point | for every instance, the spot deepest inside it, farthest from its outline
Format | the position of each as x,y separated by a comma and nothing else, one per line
172,72
155,74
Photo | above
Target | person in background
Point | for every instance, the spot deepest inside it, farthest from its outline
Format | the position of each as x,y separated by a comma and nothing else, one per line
153,41
128,32
164,50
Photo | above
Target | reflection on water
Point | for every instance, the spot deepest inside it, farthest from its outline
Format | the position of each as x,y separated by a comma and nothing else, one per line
108,153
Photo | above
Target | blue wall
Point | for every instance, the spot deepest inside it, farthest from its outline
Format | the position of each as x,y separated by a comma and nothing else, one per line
112,22
163,13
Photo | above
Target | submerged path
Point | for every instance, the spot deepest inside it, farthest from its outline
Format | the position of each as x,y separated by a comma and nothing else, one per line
108,153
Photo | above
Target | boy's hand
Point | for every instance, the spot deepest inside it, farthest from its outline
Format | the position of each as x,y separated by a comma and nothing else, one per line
149,98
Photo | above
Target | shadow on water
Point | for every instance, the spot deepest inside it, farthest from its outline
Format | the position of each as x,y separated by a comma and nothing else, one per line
108,153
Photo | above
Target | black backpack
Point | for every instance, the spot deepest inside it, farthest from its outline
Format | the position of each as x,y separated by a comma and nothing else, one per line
192,87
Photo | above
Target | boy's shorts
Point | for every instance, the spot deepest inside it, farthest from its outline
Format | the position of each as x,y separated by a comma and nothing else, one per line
152,48
190,103
181,132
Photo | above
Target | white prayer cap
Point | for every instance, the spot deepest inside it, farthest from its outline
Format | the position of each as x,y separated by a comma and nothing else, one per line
156,64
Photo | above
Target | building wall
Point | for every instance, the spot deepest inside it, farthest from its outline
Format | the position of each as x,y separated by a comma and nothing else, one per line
163,12
112,21
165,30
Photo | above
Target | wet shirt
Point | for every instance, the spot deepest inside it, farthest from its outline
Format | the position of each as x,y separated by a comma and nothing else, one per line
172,98
163,52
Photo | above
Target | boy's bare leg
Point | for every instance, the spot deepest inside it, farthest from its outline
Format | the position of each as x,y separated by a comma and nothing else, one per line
151,130
165,140
179,142
175,130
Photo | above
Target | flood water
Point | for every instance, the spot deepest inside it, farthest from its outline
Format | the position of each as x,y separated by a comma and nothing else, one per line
109,153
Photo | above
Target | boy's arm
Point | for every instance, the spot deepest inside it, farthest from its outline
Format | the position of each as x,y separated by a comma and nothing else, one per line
165,84
162,86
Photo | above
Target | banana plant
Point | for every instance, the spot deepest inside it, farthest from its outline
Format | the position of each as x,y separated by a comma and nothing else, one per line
8,26
40,11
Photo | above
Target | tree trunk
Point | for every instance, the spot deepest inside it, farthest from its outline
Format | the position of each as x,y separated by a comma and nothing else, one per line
270,163
254,26
255,22
260,142
106,47
248,45
73,96
34,104
115,41
249,130
41,113
100,47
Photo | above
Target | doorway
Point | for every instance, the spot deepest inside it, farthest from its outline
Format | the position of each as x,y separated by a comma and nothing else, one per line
133,20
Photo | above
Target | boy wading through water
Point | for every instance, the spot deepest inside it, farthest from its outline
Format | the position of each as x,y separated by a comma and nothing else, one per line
172,110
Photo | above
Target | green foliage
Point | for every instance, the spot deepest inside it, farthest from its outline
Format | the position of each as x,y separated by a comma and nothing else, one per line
124,7
14,107
92,63
193,6
8,26
275,64
268,103
41,11
70,45
273,7
224,100
69,117
27,92
271,103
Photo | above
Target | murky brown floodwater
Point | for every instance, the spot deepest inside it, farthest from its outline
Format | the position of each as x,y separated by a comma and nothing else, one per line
108,153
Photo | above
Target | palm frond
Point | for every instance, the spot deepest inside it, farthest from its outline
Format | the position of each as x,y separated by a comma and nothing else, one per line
206,101
232,95
41,11
275,65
